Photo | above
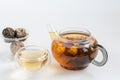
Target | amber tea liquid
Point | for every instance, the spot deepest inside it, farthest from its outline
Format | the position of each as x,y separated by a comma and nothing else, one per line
29,60
71,52
52,35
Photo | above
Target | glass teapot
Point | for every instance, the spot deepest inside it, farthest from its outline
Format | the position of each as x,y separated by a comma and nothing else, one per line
75,48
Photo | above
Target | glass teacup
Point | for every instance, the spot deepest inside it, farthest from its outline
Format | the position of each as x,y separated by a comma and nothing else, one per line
32,58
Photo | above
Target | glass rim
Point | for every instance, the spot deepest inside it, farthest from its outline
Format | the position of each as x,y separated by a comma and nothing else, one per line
74,30
41,58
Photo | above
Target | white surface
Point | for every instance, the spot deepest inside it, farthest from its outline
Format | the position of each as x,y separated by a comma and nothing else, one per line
101,17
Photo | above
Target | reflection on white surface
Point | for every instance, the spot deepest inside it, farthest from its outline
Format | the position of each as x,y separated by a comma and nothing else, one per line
54,70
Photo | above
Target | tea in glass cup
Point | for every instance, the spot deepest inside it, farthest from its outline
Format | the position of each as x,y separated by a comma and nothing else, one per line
32,58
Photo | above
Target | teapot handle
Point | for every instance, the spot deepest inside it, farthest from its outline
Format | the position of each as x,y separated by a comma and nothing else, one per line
104,53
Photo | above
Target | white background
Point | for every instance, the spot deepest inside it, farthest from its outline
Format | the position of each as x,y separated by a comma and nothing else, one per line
100,17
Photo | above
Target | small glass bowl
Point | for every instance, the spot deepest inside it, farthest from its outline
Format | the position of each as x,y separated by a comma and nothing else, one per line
10,40
15,39
32,58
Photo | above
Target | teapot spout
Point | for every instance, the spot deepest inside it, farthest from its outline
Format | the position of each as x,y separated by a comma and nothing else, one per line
52,32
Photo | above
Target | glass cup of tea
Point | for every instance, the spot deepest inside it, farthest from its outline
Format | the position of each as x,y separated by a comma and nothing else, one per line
32,58
75,48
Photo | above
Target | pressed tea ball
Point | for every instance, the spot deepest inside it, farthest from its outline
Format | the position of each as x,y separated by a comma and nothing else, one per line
15,46
8,32
20,32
